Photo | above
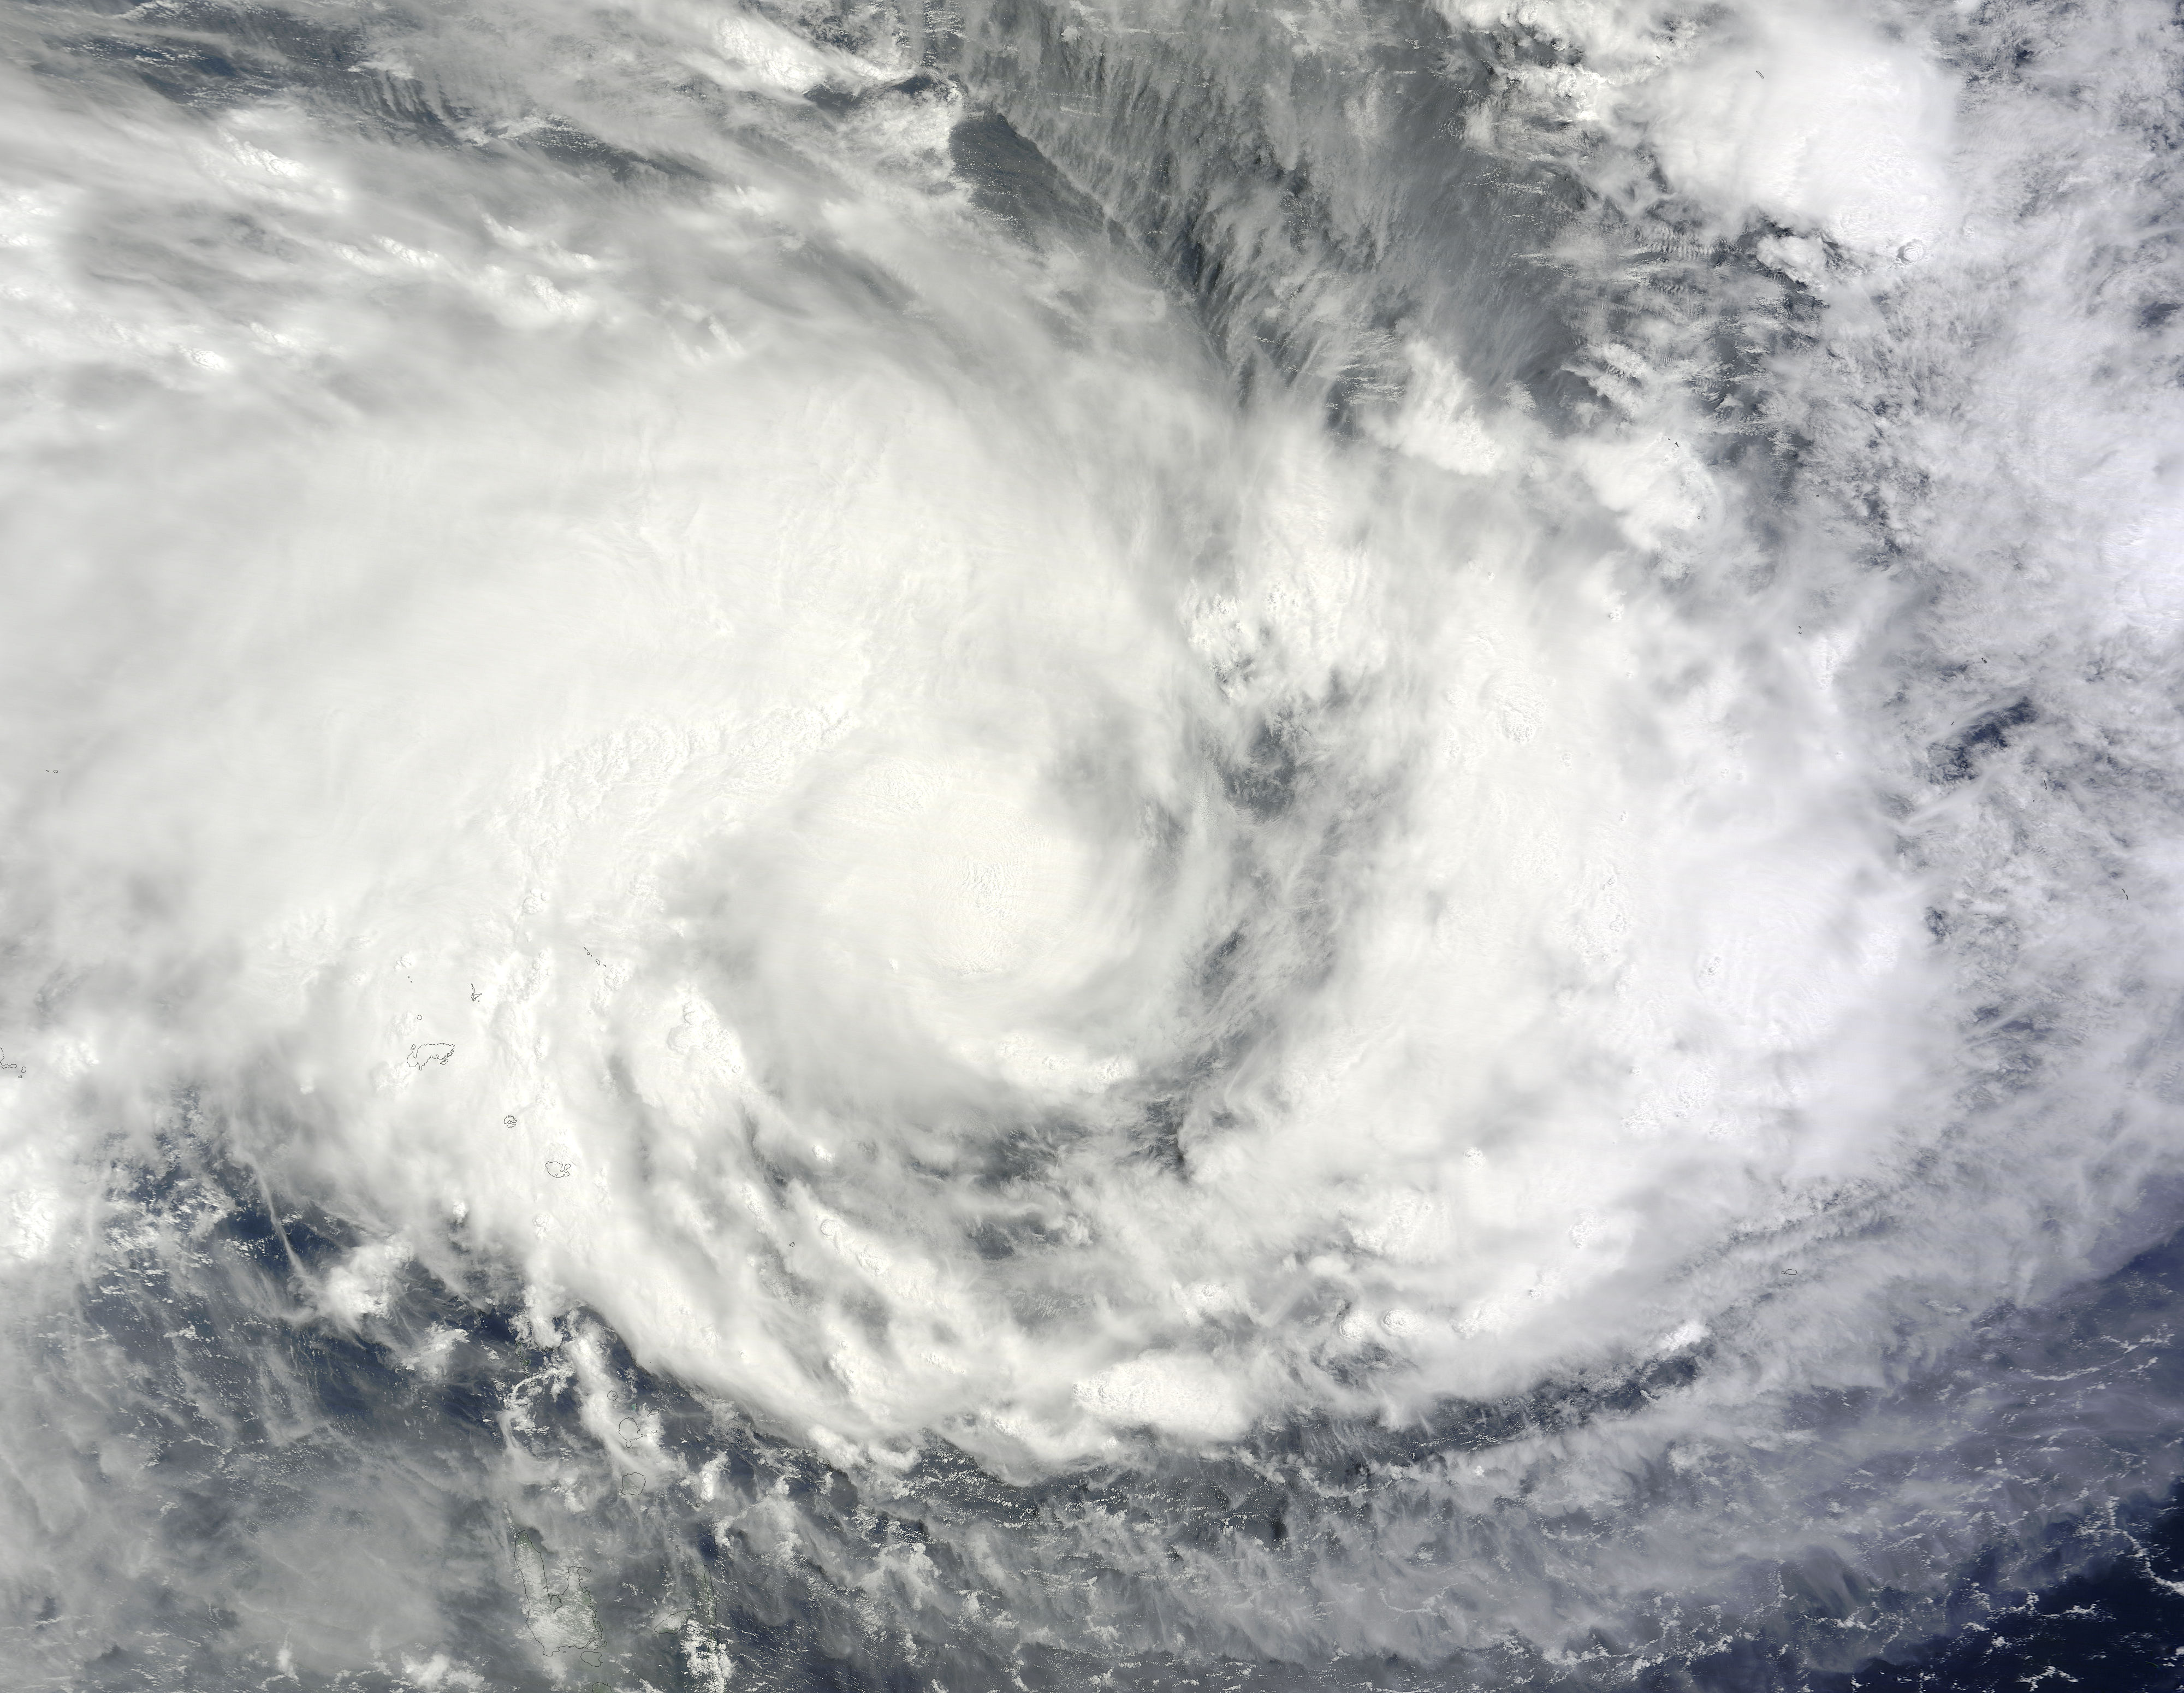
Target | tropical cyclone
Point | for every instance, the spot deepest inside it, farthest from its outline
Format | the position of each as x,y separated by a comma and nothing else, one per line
1345,829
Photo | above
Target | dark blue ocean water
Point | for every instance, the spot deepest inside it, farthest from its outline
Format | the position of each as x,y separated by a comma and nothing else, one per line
247,1418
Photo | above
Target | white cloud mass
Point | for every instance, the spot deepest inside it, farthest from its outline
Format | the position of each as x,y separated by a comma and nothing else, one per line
808,807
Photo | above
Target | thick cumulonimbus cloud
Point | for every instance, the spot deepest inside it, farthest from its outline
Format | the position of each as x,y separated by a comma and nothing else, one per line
770,771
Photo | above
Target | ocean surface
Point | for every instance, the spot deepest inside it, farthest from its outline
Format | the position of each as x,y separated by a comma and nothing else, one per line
1091,844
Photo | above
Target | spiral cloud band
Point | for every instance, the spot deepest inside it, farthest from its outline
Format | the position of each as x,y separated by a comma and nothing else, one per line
1098,845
